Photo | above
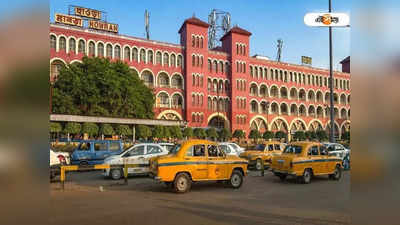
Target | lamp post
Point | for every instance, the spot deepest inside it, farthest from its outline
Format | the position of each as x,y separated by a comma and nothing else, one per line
332,115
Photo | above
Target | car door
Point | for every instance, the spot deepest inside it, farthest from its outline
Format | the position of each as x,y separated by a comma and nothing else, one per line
226,149
217,165
135,156
316,159
195,161
324,155
100,150
151,151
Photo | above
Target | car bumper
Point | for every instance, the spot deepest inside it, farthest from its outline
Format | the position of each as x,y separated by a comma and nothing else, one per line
289,173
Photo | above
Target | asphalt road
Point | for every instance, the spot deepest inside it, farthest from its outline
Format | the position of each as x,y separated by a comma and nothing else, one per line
261,200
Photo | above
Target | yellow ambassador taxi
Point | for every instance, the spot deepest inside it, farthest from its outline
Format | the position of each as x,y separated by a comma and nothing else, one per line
197,160
263,154
304,160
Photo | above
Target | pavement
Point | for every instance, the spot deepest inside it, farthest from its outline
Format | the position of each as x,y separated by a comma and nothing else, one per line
89,198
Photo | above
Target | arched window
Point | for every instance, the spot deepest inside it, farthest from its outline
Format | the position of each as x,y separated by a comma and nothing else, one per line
177,101
284,109
221,66
55,68
158,58
284,92
274,92
274,108
163,100
163,80
179,61
91,48
72,45
127,53
201,42
193,60
254,107
193,41
150,56
135,55
253,90
215,66
166,59
100,50
142,55
197,42
176,81
173,59
109,51
53,42
81,47
62,44
226,68
148,79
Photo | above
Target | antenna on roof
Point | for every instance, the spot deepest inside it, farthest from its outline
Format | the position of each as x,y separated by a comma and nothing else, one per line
220,24
280,46
146,23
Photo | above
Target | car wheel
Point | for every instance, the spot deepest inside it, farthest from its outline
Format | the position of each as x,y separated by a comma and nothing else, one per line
282,177
116,174
337,174
236,179
182,183
306,178
259,164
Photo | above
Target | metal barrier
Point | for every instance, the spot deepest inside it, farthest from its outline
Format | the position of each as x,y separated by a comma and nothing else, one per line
64,169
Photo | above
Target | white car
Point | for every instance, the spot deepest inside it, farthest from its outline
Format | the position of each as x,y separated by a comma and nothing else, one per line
234,146
57,159
167,146
137,154
336,149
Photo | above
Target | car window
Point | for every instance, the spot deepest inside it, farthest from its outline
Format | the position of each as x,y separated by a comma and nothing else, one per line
260,147
214,151
84,146
168,147
270,147
277,147
314,150
331,148
323,150
100,146
196,151
153,149
175,149
114,146
136,151
225,148
292,149
234,146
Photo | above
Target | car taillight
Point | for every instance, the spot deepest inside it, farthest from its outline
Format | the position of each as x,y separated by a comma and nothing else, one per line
61,158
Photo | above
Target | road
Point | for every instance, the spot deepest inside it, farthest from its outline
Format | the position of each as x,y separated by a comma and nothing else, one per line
261,200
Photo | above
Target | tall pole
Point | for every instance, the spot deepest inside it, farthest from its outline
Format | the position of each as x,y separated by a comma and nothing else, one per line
332,116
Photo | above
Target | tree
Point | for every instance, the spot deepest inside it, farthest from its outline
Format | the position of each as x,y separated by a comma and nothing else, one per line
167,132
211,133
322,135
188,132
239,134
99,87
268,135
90,128
280,134
158,132
106,129
55,128
72,128
176,132
224,134
143,132
255,135
199,133
299,135
123,130
346,136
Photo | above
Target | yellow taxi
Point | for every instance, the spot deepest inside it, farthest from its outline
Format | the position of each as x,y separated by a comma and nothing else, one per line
263,153
305,160
197,160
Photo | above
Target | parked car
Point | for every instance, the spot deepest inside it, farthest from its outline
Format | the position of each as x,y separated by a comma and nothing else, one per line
233,145
197,160
228,149
91,152
57,159
167,146
263,153
336,149
137,154
305,160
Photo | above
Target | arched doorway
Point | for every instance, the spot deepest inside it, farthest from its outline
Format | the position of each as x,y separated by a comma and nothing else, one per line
218,122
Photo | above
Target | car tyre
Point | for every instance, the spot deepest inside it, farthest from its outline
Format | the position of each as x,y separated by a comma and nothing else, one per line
337,174
236,180
282,177
182,183
259,164
115,174
306,178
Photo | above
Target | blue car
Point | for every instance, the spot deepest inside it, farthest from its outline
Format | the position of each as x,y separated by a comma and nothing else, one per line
91,152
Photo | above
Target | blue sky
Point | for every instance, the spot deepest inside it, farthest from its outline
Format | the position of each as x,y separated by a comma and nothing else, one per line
268,20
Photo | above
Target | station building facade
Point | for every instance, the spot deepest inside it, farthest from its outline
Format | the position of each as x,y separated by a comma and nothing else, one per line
221,87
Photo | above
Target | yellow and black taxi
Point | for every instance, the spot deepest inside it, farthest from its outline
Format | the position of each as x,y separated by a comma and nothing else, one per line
305,160
197,160
262,154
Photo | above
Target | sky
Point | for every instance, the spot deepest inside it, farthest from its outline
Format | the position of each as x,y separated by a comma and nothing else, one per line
267,20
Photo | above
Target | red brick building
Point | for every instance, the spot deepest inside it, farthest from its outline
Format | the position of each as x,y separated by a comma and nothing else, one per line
215,87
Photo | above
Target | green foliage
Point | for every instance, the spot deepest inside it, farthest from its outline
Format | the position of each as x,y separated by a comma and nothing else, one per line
167,132
90,128
72,128
211,133
346,136
55,127
299,135
143,132
239,134
310,135
158,132
224,134
176,132
188,132
280,134
123,130
199,133
98,87
106,129
254,134
322,135
268,135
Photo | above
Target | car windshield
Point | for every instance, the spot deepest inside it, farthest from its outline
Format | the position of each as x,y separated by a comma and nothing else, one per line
175,149
260,147
329,147
293,149
234,146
